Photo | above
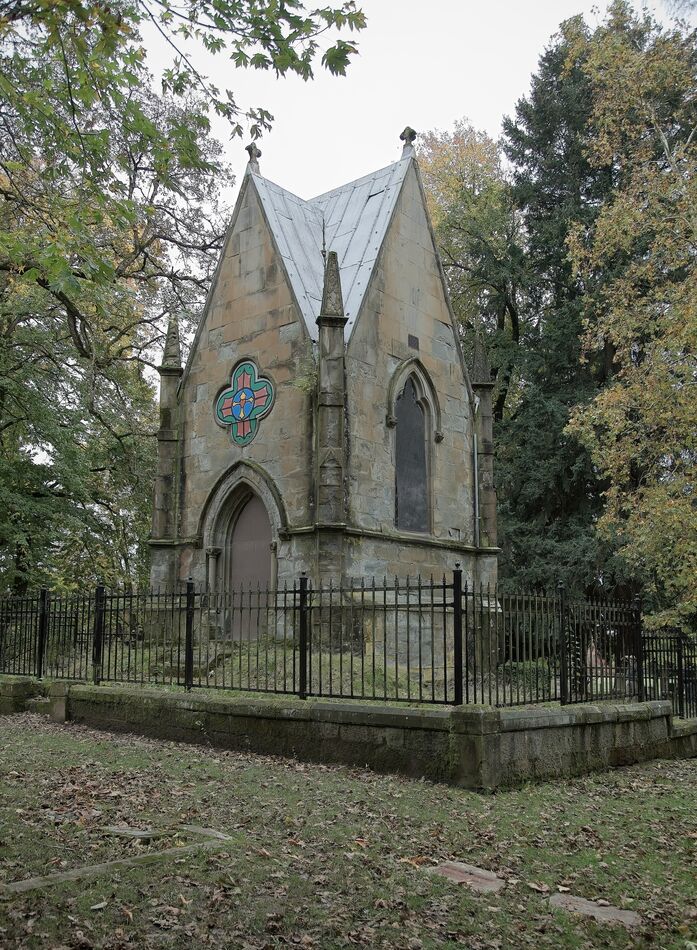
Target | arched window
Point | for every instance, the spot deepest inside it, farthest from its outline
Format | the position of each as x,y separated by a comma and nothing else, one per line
412,508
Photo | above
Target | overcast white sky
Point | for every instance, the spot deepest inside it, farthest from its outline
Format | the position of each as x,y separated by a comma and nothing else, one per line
424,63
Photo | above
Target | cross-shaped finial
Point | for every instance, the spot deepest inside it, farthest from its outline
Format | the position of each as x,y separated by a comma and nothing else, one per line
254,155
408,136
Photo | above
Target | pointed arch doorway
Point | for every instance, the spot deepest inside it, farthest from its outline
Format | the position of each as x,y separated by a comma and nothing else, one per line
247,561
246,567
240,524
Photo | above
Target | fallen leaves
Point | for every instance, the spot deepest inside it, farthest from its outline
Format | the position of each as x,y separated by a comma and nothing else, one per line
334,856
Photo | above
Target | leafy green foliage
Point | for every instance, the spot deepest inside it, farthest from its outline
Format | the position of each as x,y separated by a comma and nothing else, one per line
502,233
92,261
481,244
109,222
550,492
284,37
637,264
579,267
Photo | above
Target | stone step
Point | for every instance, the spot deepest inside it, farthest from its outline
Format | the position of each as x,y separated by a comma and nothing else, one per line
39,704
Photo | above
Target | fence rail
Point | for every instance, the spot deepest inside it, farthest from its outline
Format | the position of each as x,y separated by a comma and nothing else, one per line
417,641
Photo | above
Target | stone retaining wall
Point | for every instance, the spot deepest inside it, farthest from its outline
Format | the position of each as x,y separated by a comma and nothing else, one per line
16,692
473,747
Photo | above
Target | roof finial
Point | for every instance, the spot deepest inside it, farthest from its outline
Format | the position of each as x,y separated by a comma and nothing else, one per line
254,156
172,354
324,239
408,136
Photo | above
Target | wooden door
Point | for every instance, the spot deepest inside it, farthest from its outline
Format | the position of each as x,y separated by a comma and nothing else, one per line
250,548
248,571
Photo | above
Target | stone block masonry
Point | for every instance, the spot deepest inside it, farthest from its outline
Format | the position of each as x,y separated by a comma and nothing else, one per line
340,302
15,693
471,747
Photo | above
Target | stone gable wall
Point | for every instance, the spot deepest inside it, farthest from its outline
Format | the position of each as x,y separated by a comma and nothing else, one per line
251,314
406,298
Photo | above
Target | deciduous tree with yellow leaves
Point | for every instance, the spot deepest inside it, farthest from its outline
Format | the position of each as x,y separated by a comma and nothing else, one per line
637,262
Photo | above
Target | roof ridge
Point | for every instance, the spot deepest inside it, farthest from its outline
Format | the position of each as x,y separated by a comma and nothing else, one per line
355,224
331,191
356,181
274,184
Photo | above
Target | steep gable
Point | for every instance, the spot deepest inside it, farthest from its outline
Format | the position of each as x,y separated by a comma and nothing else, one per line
351,220
418,290
385,327
249,279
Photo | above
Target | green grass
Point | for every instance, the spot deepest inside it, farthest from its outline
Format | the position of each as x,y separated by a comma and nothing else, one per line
268,665
329,857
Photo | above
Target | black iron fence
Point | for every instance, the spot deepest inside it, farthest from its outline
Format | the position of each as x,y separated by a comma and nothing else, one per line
425,641
670,671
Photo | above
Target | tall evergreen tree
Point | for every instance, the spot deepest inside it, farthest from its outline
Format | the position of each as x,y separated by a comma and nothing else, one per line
549,491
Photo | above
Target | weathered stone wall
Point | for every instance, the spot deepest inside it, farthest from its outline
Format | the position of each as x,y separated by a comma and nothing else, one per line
474,747
371,555
15,692
251,314
406,299
513,746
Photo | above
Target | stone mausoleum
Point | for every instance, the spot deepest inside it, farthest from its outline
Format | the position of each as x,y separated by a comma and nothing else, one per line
325,421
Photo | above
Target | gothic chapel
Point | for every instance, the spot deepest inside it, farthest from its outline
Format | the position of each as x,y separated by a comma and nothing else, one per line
325,421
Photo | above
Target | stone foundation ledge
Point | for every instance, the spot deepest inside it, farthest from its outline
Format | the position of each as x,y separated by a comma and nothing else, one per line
473,747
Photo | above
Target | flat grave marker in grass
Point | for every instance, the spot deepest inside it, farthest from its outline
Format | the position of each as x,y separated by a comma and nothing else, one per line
212,839
603,912
479,879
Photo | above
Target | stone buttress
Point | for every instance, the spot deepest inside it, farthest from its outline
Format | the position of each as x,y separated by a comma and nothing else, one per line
163,532
330,449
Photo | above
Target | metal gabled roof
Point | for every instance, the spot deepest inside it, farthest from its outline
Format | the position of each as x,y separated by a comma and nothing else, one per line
355,218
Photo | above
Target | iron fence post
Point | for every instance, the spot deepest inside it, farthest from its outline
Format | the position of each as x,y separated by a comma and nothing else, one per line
42,632
639,649
681,676
563,646
98,634
302,639
189,641
457,633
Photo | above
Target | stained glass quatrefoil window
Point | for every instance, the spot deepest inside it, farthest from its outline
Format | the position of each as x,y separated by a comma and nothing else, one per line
242,406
